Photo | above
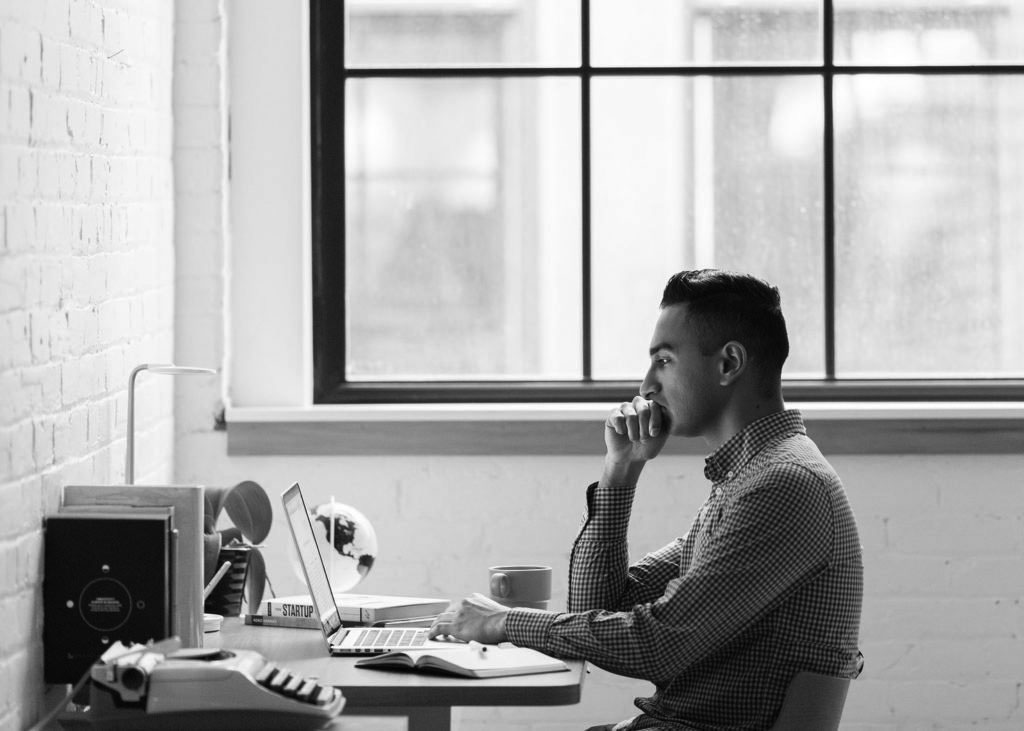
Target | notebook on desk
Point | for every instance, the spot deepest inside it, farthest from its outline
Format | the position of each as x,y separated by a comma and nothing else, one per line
342,640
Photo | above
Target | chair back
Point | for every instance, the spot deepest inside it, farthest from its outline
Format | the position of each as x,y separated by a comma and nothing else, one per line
813,701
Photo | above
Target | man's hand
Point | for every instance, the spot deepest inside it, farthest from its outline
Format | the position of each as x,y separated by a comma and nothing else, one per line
473,618
634,432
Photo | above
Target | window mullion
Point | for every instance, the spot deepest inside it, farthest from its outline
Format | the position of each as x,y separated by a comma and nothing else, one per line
828,189
585,169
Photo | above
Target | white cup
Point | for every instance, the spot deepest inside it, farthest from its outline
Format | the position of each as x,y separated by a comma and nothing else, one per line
521,585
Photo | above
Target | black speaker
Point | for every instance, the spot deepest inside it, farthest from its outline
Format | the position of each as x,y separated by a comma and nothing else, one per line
106,577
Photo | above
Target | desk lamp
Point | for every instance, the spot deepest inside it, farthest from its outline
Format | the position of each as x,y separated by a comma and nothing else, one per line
166,369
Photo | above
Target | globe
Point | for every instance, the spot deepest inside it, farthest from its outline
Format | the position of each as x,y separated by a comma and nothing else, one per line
347,542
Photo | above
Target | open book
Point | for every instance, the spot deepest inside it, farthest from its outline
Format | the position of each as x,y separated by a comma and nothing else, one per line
471,661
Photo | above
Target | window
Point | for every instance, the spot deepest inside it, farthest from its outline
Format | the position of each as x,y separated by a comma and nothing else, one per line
501,189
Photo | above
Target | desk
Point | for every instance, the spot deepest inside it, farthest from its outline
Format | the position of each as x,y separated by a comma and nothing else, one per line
426,699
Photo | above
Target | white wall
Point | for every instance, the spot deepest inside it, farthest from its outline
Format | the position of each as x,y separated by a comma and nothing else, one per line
86,279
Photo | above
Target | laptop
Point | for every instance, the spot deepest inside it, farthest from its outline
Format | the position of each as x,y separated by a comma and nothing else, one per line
343,640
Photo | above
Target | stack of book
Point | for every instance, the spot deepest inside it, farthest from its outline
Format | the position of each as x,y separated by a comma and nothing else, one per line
364,609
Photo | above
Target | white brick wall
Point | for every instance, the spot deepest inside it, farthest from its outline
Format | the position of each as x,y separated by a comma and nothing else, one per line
86,278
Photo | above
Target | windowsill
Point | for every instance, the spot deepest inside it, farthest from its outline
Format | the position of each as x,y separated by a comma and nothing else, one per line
574,429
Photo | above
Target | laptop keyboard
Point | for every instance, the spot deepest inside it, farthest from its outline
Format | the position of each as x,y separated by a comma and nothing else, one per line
384,637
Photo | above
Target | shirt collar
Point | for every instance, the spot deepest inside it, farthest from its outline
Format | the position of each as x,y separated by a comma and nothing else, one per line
741,447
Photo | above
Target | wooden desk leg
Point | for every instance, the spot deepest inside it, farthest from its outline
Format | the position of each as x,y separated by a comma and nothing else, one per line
421,718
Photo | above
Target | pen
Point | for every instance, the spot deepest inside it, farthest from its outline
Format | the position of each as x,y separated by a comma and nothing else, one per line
216,578
481,650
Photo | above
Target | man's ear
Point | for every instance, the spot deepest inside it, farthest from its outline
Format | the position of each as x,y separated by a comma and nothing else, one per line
732,362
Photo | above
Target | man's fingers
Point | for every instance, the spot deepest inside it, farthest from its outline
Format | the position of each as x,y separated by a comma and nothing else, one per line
623,420
443,623
630,423
648,417
638,420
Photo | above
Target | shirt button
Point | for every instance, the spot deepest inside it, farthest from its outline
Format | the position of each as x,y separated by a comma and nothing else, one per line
730,474
718,492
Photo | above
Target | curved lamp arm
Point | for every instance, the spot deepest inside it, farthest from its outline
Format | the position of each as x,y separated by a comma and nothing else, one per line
167,369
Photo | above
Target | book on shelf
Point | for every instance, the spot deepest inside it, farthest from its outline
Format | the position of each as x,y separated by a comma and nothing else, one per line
471,661
262,620
355,608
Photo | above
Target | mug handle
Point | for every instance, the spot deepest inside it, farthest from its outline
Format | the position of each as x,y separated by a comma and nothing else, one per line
499,585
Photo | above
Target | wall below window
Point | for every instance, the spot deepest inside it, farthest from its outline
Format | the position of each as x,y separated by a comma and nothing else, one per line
943,539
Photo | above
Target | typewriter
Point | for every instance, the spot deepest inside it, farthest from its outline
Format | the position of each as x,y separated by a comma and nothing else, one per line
199,689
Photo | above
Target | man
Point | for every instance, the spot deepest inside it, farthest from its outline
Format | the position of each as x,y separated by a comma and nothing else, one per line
767,582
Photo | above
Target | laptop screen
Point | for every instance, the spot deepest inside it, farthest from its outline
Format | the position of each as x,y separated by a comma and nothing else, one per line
312,562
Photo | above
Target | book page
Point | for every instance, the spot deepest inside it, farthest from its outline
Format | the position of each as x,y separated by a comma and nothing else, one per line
479,660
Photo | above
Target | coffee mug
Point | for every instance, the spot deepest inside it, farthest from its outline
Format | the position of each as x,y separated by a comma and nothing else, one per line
521,586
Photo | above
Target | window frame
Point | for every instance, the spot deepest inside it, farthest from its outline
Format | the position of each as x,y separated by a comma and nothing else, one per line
328,78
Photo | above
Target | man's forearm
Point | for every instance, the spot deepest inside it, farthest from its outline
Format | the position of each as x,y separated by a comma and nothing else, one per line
599,560
621,474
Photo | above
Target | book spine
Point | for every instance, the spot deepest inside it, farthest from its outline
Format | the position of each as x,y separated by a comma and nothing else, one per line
300,610
263,620
288,610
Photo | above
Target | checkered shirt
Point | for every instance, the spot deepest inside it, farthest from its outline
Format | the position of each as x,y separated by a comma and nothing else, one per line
767,582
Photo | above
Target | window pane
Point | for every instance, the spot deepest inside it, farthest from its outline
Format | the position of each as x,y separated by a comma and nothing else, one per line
681,32
929,32
462,32
462,221
702,172
930,254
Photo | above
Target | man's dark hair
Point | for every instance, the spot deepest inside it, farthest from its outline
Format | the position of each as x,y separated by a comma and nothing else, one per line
728,306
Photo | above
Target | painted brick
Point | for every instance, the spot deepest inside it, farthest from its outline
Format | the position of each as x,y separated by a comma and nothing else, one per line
20,52
198,125
43,441
42,386
951,534
18,112
85,21
16,403
930,618
21,227
991,576
50,63
15,350
12,282
198,41
9,182
952,660
82,138
205,82
19,448
955,705
888,574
